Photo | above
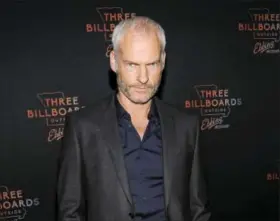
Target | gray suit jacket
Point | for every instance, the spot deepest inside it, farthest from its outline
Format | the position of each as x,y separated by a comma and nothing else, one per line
92,181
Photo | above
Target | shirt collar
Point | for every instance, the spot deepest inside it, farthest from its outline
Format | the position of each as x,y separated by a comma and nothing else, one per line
122,113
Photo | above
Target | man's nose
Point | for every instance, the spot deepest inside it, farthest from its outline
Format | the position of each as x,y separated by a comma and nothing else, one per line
143,76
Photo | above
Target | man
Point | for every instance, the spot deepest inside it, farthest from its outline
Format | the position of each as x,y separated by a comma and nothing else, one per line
130,156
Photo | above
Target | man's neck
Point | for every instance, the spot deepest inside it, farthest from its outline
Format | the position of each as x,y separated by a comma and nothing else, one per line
139,111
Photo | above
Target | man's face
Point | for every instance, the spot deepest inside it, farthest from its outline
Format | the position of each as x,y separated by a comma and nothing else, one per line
138,64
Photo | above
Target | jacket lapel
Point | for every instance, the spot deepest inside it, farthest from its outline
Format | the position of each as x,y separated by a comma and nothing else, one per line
110,136
169,147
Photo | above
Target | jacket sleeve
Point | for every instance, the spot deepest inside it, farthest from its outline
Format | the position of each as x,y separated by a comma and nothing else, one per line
198,197
69,186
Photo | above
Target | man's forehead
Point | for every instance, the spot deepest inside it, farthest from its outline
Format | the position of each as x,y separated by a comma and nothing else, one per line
134,39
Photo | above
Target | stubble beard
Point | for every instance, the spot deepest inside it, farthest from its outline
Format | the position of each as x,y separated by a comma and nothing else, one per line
125,89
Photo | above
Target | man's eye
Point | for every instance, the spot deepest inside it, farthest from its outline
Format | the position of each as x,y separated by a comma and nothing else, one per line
153,64
131,65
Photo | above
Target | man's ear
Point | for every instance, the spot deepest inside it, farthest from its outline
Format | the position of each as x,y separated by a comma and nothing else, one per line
113,61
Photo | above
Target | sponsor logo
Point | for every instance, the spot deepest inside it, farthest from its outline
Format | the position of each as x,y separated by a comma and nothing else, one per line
55,107
109,17
265,29
215,105
14,205
272,176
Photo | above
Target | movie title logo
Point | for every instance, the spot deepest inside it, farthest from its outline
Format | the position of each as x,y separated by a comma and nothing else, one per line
272,176
109,17
265,29
215,105
55,106
14,205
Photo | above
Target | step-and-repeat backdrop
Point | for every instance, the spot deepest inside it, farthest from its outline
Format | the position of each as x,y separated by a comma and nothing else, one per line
223,64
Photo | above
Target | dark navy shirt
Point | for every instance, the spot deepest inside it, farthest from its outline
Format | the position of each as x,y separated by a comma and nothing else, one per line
144,164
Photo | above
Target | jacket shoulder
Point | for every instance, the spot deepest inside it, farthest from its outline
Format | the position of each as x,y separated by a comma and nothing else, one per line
180,113
91,111
187,125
